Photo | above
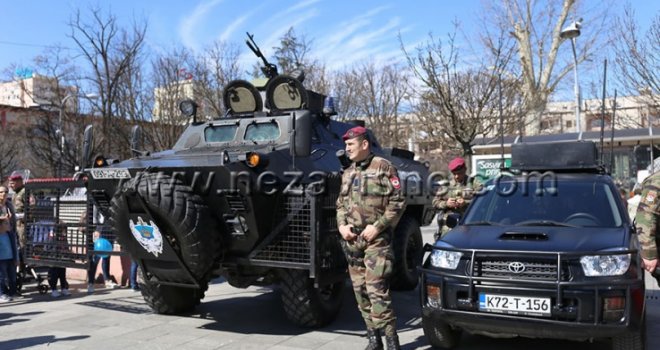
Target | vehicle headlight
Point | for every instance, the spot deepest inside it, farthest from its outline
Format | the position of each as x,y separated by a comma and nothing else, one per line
605,265
445,259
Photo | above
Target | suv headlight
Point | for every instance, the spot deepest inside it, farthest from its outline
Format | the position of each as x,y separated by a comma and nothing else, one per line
605,265
445,259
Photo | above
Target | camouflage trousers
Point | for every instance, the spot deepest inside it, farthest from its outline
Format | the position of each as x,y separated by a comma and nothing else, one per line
371,283
20,233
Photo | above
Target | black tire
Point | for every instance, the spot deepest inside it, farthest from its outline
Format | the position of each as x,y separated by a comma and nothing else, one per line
635,340
170,300
183,219
305,305
408,253
439,334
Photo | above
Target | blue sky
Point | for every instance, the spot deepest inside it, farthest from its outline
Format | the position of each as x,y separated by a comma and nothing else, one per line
342,31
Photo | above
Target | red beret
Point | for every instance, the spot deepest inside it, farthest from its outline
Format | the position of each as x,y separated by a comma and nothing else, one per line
354,132
15,176
456,163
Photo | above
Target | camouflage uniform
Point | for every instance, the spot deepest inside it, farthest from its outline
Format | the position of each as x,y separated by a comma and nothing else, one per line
371,195
647,216
466,190
19,208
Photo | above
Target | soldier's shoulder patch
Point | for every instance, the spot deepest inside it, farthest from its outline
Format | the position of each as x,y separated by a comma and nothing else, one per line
650,197
396,183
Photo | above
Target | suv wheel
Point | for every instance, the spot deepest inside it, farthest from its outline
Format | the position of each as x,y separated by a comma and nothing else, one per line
306,305
635,340
408,253
439,334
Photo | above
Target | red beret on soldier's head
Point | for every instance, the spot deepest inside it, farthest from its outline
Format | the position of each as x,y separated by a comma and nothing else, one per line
354,132
15,176
456,164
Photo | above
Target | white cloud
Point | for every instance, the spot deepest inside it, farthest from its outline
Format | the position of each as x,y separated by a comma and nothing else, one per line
189,23
231,28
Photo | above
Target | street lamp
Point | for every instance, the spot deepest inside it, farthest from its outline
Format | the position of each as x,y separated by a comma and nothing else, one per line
60,126
572,32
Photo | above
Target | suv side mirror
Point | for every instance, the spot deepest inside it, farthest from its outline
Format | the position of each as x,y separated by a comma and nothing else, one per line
453,219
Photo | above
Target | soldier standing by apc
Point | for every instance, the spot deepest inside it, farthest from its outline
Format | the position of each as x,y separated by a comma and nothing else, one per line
368,208
647,222
457,197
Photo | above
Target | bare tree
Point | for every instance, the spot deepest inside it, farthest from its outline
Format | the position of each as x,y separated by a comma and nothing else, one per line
111,53
458,101
638,59
293,54
9,152
173,83
53,80
376,95
536,27
210,72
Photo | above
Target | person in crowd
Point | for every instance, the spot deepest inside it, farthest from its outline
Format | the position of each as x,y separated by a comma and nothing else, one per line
368,208
133,276
18,202
58,245
8,258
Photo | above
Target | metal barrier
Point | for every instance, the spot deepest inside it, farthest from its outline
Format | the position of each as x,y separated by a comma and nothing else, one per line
59,222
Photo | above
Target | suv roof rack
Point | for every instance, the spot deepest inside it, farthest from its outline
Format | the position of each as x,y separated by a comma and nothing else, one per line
570,156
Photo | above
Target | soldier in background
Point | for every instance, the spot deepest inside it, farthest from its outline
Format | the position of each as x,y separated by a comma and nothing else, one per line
647,222
16,184
457,196
368,208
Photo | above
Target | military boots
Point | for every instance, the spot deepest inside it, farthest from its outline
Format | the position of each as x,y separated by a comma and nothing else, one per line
392,342
375,342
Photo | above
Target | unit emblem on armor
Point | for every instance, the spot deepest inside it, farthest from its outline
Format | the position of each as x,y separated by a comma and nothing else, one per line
148,236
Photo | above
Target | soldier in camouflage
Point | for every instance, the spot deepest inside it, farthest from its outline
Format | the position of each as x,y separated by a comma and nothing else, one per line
18,200
368,207
647,221
456,197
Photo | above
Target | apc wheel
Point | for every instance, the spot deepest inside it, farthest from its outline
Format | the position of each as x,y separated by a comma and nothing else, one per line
170,300
183,219
439,334
305,305
408,253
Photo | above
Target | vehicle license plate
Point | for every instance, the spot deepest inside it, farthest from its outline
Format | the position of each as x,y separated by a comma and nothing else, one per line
115,173
512,304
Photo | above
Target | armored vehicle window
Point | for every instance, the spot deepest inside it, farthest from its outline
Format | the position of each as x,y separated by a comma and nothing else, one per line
220,133
269,131
575,203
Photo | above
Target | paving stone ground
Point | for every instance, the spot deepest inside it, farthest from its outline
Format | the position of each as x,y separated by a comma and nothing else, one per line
228,318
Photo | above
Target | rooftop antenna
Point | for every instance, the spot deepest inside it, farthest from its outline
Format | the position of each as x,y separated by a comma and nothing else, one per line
602,113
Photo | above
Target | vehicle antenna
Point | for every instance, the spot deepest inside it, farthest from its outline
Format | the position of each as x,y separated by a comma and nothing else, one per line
602,113
612,136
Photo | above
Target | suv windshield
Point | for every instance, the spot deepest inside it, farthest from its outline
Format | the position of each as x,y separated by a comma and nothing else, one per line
573,203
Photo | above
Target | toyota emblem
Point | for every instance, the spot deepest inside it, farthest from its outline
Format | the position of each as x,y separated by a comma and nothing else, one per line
516,267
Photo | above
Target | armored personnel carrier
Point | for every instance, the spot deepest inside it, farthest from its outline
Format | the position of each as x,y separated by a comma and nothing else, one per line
250,196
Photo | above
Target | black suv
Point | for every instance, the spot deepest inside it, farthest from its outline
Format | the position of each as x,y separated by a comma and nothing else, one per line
545,250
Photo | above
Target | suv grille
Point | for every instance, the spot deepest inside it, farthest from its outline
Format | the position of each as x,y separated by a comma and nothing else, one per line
543,270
